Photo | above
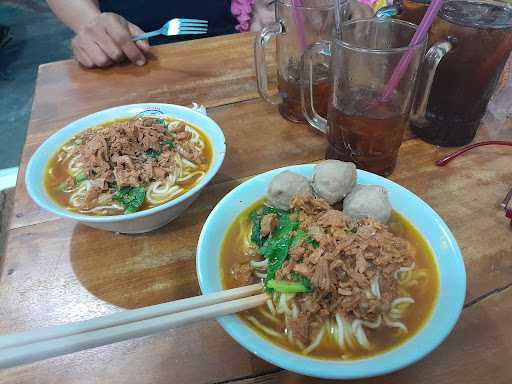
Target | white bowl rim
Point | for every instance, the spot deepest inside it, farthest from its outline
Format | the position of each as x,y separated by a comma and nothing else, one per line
338,369
214,168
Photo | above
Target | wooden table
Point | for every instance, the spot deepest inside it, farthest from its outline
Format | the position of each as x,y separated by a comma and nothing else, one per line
57,271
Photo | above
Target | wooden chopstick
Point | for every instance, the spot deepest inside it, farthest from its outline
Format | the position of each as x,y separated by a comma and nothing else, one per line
39,344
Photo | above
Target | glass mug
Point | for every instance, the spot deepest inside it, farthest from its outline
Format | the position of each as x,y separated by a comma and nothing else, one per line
463,71
360,127
319,20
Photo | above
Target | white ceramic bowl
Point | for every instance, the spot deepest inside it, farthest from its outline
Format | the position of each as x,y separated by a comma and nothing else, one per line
138,222
425,219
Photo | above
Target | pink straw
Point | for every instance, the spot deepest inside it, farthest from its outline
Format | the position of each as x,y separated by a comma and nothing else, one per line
299,22
420,34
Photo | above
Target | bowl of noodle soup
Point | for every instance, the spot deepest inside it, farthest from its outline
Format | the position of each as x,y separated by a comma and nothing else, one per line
127,169
431,284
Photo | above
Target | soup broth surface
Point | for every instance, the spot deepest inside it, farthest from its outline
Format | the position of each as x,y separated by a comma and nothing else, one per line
59,169
382,339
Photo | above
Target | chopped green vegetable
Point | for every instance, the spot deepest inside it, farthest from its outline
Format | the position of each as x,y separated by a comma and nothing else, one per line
284,225
163,122
256,229
79,178
275,248
256,217
168,142
132,198
281,236
299,235
61,187
351,230
276,251
313,242
287,286
152,153
303,280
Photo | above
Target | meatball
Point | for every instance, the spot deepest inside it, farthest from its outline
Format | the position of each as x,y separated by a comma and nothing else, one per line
368,201
334,179
284,186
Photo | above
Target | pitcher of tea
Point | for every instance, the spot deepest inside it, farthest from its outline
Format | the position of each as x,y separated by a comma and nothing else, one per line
473,42
297,27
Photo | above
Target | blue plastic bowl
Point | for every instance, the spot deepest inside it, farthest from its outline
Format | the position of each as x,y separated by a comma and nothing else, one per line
138,222
452,278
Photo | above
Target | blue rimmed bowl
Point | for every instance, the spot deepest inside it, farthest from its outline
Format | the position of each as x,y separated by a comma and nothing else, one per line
138,222
452,279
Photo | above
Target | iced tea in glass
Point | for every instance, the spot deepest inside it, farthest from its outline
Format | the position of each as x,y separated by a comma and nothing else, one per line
295,29
289,90
361,127
478,42
366,133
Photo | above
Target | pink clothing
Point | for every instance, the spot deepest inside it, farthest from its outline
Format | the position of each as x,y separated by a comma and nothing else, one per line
242,10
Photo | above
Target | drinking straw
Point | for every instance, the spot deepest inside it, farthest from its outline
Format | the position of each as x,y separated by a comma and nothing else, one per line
299,22
420,34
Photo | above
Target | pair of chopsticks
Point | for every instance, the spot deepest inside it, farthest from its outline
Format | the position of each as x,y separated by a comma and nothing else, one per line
43,343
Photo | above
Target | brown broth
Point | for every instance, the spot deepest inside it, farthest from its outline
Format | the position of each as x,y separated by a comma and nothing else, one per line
382,339
59,170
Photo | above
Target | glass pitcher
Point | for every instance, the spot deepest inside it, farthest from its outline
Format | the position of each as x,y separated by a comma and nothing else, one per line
462,71
361,127
295,29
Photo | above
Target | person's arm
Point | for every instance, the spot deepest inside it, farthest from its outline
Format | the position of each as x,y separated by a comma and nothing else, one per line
101,38
75,13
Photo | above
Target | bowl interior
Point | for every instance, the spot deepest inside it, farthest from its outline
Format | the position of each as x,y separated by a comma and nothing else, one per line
449,260
34,177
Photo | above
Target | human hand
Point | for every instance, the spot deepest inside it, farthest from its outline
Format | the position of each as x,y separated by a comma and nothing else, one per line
106,40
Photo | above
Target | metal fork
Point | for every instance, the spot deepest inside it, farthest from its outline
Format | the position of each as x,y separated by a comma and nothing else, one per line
177,27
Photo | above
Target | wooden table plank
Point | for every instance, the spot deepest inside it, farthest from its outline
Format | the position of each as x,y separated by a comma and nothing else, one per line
189,355
215,71
463,358
173,357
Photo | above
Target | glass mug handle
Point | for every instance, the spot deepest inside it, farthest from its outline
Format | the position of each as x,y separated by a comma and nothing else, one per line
260,44
426,77
306,88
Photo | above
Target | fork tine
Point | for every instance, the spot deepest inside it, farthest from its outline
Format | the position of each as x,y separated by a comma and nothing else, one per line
191,24
191,32
193,21
193,29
